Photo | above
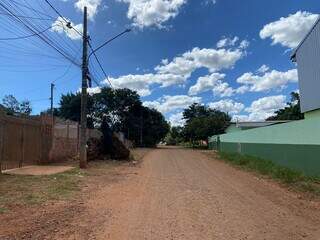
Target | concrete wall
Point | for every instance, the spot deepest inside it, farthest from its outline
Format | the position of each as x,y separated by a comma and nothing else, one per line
295,144
66,135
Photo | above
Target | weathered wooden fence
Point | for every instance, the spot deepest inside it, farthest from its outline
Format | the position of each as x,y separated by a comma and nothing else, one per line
23,141
33,140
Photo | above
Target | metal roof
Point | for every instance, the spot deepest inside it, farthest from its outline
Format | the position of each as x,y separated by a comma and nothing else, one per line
293,55
258,123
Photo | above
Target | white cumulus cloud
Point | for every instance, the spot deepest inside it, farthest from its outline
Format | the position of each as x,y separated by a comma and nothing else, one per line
92,6
228,106
148,13
179,70
142,82
268,80
289,31
214,83
168,104
265,107
206,83
212,59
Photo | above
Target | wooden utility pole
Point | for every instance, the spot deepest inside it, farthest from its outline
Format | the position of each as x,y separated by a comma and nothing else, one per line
83,129
51,104
2,126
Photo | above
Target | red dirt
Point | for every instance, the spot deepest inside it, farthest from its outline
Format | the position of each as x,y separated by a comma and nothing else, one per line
173,194
38,170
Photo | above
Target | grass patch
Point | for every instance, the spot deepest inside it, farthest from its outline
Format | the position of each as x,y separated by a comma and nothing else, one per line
30,190
290,177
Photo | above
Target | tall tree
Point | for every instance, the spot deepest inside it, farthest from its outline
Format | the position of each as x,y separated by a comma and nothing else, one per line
175,136
70,105
203,122
13,106
196,110
122,111
291,112
154,127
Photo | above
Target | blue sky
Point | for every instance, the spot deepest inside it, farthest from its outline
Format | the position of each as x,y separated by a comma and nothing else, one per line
231,55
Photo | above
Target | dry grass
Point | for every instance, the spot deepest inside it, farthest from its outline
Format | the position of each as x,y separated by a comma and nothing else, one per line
28,190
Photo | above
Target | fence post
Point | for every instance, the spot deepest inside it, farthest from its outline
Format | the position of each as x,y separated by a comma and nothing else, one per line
2,126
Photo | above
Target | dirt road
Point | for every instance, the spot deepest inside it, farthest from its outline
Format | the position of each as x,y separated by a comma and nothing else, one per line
181,194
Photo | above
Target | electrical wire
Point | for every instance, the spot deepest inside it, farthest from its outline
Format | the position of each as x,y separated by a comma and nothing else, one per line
40,36
24,37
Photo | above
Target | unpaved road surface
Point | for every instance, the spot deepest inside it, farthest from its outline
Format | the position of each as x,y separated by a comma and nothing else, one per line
181,194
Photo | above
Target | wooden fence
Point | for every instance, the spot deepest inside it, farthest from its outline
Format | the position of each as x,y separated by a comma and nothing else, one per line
32,140
23,141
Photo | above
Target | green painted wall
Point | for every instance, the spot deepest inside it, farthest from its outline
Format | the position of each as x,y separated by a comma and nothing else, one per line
305,158
294,144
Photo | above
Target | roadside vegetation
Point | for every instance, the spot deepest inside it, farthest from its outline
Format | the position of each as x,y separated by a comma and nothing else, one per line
18,190
292,178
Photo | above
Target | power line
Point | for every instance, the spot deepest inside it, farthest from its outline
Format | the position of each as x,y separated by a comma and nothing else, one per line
28,17
42,38
68,23
24,37
110,40
100,65
32,9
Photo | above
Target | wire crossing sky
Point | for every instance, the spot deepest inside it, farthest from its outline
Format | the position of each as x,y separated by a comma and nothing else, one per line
231,55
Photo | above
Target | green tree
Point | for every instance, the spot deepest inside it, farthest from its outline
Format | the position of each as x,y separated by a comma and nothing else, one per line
196,110
154,127
122,111
25,107
175,136
203,122
70,106
12,106
291,112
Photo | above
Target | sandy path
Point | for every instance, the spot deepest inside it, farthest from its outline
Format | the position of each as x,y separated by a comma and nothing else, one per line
181,194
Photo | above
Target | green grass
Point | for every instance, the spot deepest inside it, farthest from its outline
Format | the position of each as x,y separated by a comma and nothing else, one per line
31,190
292,178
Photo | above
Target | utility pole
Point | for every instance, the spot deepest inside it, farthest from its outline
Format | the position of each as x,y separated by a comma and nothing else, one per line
141,128
83,127
51,104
